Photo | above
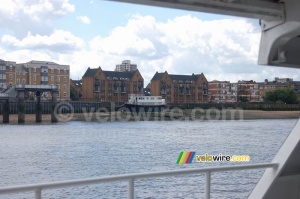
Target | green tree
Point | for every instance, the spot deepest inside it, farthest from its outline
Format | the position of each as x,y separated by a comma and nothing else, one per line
73,94
281,95
244,99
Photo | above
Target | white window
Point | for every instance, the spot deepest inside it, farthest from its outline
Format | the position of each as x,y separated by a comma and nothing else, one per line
2,76
65,94
65,79
52,70
34,69
34,77
52,78
3,67
58,79
10,68
23,81
58,71
65,87
10,76
65,71
18,81
58,86
58,94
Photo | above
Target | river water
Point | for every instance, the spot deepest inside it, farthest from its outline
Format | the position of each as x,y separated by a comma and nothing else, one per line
75,150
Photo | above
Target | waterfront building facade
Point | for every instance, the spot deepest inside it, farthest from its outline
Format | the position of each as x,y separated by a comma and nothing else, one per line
126,66
247,91
180,88
222,91
111,86
37,73
7,71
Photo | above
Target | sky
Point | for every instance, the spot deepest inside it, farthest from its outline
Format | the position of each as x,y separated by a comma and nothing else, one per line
93,33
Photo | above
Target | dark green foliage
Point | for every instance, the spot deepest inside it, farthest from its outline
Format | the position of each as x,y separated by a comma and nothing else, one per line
281,96
244,99
73,94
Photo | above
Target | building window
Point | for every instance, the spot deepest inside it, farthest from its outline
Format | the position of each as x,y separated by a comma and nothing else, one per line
34,77
18,81
10,68
58,71
58,79
23,81
65,79
65,87
65,71
58,94
65,94
58,86
52,70
52,78
10,77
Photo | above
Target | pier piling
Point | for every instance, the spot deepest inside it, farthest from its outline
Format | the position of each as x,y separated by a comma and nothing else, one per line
53,105
6,112
21,107
38,111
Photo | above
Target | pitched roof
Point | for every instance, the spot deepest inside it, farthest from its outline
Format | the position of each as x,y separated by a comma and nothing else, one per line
90,72
184,77
116,74
157,76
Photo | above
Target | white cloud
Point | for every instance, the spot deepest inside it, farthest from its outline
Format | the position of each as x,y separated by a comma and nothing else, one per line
32,15
222,49
84,19
58,41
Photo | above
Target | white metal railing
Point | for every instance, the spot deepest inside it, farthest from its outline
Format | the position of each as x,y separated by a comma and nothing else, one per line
38,188
4,95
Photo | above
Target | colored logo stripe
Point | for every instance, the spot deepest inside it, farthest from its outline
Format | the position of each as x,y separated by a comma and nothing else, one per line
185,157
190,158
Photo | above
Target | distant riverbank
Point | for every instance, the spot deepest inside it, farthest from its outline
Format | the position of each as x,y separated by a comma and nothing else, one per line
168,115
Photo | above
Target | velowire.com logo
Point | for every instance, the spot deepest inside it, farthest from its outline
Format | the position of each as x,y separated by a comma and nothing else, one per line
188,157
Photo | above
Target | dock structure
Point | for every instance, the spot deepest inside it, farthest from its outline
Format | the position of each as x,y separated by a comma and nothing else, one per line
6,96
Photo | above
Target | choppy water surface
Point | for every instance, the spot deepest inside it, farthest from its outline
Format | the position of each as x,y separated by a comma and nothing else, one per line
75,150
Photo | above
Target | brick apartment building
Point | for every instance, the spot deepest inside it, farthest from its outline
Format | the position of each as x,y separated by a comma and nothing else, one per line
111,86
222,91
248,90
36,73
180,88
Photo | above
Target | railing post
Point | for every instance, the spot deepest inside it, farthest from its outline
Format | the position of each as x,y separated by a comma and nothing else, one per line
38,194
131,188
207,184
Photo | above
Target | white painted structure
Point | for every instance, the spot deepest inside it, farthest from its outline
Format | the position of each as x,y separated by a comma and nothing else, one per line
131,178
140,99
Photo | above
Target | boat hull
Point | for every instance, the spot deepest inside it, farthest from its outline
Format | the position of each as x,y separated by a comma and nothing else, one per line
144,108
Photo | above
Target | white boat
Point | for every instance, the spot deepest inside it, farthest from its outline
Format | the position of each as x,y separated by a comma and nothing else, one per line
140,102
